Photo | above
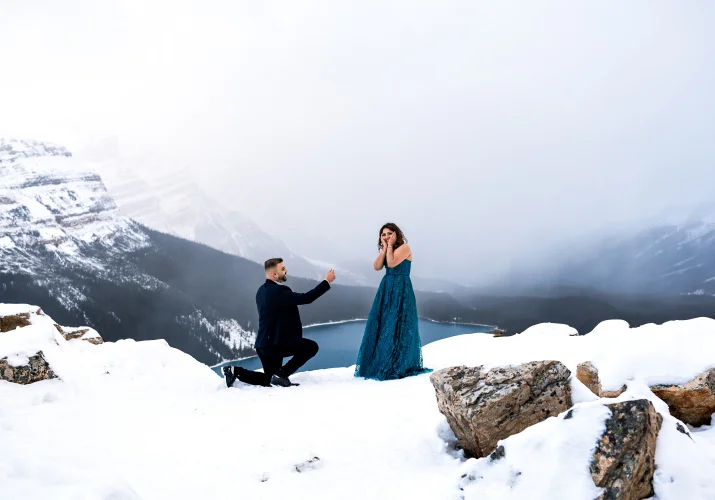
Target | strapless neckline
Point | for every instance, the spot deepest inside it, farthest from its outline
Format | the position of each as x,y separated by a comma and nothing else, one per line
401,269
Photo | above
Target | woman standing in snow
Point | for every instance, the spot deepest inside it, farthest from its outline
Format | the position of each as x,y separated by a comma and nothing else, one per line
391,346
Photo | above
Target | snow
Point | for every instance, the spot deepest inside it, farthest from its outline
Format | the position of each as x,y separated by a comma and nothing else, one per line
234,335
566,442
6,243
229,331
13,309
131,420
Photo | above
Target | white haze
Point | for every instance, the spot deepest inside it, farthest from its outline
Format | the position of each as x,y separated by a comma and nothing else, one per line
490,131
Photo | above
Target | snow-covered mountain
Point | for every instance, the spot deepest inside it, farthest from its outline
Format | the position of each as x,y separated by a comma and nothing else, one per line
62,235
672,253
169,199
675,255
51,208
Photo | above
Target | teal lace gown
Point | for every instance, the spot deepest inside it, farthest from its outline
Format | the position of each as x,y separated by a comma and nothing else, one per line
391,346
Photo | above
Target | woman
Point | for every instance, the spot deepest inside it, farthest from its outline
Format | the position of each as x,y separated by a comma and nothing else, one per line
391,346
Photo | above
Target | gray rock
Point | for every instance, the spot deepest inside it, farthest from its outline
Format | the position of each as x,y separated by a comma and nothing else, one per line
624,460
485,407
37,369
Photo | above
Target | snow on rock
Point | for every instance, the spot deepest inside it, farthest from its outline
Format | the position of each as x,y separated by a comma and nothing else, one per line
547,461
588,375
140,420
25,370
30,341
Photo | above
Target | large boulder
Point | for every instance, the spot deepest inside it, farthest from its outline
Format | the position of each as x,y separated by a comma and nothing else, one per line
35,370
588,375
694,402
624,461
484,407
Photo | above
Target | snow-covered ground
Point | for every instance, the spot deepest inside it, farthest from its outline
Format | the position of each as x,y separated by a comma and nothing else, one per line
130,420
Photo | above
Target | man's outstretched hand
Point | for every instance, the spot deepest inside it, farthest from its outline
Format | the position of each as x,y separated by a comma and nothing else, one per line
330,277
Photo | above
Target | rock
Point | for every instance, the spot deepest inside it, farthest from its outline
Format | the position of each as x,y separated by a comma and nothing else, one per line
498,454
12,321
310,464
496,332
588,375
624,460
37,369
79,333
482,408
694,402
679,427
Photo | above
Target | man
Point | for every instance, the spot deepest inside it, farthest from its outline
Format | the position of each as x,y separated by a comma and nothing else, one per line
280,332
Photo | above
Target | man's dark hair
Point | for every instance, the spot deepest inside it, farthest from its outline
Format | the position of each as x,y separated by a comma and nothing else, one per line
271,263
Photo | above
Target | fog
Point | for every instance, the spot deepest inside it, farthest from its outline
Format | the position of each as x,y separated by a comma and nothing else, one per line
491,132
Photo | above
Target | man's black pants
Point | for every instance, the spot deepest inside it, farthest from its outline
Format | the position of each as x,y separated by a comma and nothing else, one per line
272,360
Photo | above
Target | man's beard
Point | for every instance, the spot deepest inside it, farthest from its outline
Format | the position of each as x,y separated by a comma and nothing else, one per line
283,278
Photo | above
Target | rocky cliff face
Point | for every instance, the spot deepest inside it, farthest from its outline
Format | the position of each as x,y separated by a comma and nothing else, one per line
53,212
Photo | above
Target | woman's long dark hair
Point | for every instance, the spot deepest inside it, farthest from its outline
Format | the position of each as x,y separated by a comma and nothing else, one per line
399,238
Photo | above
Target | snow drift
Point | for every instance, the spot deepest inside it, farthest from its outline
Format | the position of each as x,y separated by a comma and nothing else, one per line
130,420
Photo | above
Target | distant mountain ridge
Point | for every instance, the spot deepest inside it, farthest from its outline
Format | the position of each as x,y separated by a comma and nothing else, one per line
174,203
667,258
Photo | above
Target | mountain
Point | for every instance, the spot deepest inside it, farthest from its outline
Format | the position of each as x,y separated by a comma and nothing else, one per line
668,255
65,246
661,272
50,208
63,242
168,198
671,257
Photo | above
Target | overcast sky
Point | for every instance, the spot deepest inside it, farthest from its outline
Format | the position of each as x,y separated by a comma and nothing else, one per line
489,130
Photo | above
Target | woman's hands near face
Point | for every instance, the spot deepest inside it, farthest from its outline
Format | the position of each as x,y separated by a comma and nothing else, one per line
392,239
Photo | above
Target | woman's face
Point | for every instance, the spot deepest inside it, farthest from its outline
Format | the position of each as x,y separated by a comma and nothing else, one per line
386,233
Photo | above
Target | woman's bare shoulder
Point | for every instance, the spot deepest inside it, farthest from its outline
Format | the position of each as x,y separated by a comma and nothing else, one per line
407,250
